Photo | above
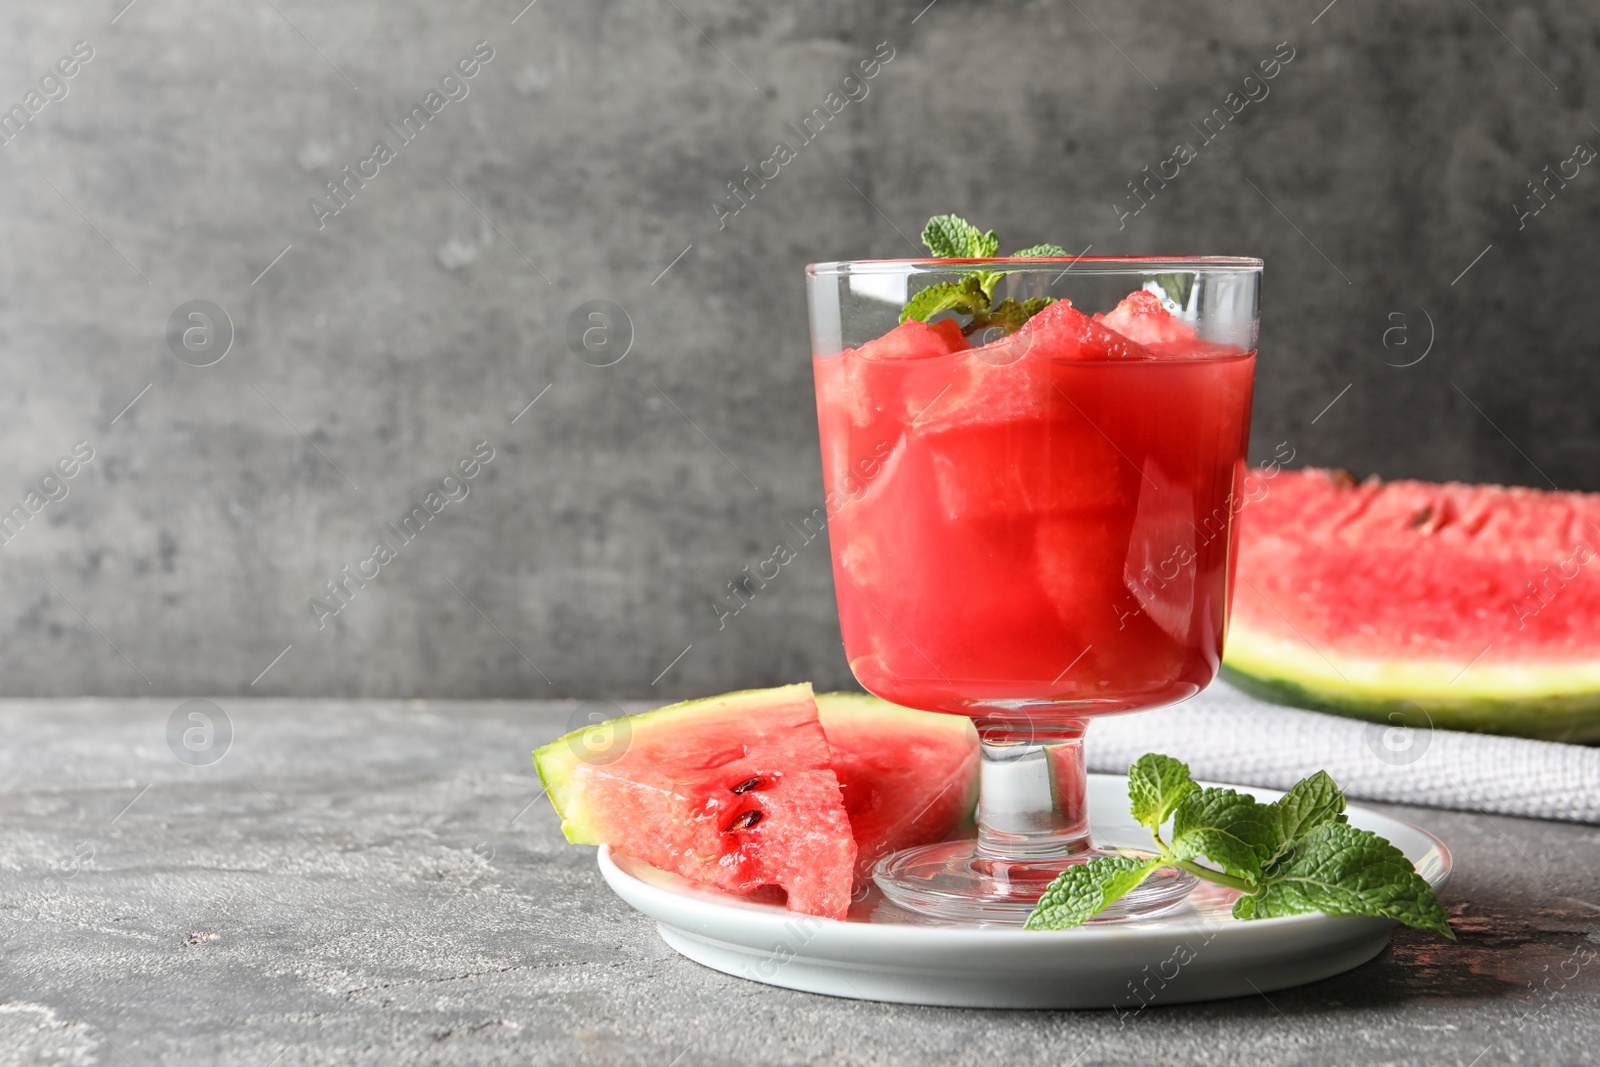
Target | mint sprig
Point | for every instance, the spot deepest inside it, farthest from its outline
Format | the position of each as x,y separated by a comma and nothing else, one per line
1295,855
1010,314
1156,786
1044,251
967,296
953,237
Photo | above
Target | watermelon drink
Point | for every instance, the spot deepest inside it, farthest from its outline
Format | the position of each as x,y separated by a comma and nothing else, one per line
1031,523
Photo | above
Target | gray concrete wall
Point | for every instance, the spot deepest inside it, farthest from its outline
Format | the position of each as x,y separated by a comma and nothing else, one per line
1380,177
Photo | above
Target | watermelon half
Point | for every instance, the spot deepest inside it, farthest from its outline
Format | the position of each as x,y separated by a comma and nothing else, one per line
754,789
1457,606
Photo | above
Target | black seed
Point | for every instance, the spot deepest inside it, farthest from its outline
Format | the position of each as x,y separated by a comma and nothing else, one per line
744,820
1422,516
750,783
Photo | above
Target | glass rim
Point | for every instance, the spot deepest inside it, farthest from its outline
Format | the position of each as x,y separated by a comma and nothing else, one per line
1088,264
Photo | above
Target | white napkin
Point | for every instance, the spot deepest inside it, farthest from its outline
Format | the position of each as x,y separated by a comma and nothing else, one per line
1226,736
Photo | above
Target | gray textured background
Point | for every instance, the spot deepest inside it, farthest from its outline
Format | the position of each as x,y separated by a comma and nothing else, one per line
1386,161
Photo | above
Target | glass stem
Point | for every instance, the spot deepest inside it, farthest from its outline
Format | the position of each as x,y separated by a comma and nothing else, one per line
1032,804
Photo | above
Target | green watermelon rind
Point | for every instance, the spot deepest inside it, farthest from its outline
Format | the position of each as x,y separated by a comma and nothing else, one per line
557,761
867,704
1549,704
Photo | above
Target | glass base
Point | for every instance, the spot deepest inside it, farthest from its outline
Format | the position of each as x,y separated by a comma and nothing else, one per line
954,880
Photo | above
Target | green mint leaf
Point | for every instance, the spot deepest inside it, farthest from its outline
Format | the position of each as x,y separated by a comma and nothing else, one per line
1232,830
946,236
962,296
1341,870
1011,314
1157,785
1310,803
988,280
1085,889
1041,251
953,237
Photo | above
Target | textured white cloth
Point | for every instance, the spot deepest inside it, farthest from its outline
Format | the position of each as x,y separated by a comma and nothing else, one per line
1227,736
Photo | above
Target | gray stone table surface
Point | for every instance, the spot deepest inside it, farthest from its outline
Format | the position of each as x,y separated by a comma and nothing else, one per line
382,882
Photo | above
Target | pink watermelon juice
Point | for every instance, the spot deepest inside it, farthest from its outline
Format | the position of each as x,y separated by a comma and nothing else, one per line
1045,520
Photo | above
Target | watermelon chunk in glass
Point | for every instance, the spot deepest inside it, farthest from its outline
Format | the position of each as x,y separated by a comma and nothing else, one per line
1029,467
884,375
915,340
1011,378
754,789
1063,332
1142,318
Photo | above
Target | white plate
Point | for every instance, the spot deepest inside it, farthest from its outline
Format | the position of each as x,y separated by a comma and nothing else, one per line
1197,951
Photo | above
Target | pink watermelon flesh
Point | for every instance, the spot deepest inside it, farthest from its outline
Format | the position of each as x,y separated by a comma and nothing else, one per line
1140,317
869,382
992,470
915,340
1010,379
733,792
1061,331
908,777
1389,569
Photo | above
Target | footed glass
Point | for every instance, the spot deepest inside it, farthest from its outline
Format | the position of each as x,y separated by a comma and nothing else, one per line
1032,527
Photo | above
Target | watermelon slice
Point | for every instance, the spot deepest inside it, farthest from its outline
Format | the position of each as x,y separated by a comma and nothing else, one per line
1464,607
733,791
908,777
747,790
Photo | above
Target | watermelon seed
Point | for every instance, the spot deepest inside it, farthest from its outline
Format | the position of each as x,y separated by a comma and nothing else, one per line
1422,516
744,820
750,783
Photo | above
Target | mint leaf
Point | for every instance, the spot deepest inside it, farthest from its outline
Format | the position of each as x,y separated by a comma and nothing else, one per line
953,237
1041,251
1232,830
1310,803
1085,889
966,296
1011,314
1340,870
1157,785
987,280
1293,856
